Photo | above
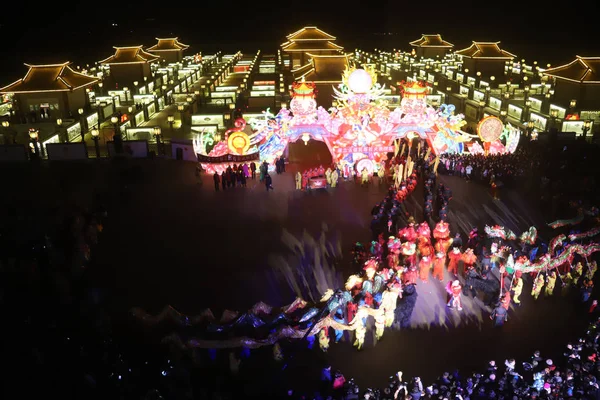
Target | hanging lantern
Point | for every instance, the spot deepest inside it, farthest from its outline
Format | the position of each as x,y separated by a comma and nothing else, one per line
305,138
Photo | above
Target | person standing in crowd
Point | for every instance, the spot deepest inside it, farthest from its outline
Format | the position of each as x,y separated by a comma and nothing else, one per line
216,180
223,180
282,164
242,177
253,170
268,182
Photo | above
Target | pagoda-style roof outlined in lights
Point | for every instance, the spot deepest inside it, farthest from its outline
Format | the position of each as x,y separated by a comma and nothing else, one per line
50,78
168,44
130,55
485,50
310,33
431,41
581,70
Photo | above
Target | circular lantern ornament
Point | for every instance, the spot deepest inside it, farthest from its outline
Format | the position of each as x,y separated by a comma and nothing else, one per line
365,163
238,142
360,81
490,129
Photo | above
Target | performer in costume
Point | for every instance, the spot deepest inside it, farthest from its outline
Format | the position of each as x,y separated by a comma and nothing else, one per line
473,241
409,251
438,265
442,235
298,181
423,230
550,283
592,268
505,301
425,248
328,173
324,339
567,280
361,329
334,178
373,284
517,287
389,302
469,258
408,233
577,272
376,249
454,289
320,171
424,268
410,275
538,284
304,179
455,256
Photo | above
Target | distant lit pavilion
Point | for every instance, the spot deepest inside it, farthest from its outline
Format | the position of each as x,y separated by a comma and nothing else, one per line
431,46
306,42
50,91
485,57
169,49
130,64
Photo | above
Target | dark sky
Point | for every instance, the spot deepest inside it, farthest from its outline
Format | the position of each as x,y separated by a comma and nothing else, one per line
77,32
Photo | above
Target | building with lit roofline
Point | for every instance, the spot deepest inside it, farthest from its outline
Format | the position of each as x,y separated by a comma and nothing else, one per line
129,64
308,41
169,50
485,57
50,91
431,46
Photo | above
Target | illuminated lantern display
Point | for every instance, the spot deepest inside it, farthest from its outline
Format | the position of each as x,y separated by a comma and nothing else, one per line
238,143
360,129
360,81
490,129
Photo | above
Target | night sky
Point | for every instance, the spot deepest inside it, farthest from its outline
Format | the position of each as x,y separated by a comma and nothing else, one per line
80,33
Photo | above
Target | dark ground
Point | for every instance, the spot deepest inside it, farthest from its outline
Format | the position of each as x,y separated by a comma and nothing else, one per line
171,240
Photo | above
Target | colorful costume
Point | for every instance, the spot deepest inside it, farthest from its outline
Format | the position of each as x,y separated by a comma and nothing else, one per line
389,301
334,178
505,301
408,233
438,265
360,331
423,230
324,339
538,284
424,267
328,173
469,258
517,287
592,268
409,251
365,176
442,235
410,276
454,289
298,180
373,284
455,256
551,283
